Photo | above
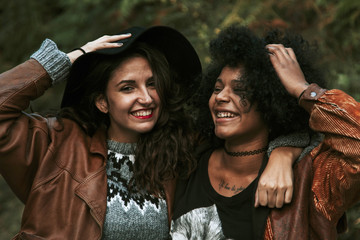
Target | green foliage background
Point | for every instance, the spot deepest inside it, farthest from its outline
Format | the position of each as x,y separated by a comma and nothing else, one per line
24,24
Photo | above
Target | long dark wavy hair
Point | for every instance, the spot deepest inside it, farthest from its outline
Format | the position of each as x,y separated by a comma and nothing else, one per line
238,46
165,152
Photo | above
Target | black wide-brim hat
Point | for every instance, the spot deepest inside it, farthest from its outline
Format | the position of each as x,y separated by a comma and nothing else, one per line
178,51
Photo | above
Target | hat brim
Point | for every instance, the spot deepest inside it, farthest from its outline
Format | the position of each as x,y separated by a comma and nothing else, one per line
178,51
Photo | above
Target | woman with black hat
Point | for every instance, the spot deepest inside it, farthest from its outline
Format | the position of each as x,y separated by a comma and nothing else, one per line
76,172
119,103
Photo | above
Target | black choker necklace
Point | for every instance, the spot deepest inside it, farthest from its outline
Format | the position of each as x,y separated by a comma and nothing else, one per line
245,153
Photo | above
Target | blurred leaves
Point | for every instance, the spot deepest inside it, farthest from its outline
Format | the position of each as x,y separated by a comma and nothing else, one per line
334,25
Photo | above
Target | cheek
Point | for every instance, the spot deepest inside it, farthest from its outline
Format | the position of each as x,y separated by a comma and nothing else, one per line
211,106
256,120
211,101
120,104
155,96
244,104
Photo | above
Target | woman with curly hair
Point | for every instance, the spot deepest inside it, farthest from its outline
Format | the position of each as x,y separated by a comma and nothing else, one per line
255,90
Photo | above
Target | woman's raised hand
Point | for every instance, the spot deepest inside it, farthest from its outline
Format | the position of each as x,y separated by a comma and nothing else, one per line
100,43
287,68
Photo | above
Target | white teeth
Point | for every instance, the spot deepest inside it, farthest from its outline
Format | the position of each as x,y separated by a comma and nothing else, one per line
225,115
142,113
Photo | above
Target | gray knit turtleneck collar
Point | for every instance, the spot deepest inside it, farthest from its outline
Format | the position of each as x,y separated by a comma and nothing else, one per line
123,148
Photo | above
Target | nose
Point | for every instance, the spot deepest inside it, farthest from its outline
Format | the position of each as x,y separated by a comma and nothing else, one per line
222,96
145,97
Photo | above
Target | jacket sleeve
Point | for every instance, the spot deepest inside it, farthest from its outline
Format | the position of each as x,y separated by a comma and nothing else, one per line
336,161
296,139
24,138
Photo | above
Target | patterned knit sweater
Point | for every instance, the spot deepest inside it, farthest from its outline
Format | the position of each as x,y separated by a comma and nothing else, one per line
130,214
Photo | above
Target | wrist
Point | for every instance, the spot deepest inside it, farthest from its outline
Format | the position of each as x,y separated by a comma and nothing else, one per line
310,96
287,155
55,62
297,93
74,55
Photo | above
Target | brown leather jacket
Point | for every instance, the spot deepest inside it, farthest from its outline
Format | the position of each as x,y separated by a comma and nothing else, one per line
327,181
58,174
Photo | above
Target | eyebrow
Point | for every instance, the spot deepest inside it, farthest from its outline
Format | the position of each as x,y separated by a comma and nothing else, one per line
232,81
236,81
133,81
150,79
125,81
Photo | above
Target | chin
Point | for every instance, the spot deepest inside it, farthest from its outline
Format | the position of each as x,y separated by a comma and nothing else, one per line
145,129
222,135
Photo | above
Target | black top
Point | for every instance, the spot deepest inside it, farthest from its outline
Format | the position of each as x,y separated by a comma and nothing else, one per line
201,212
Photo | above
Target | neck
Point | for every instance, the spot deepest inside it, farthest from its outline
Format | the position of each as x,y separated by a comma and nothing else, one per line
123,136
247,162
238,172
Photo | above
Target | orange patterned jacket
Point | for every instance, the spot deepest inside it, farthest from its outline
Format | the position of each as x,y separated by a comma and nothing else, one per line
327,180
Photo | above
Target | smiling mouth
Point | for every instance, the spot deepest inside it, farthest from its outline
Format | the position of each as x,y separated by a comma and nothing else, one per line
143,113
225,115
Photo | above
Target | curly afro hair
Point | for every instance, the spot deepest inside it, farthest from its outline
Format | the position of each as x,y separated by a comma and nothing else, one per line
238,46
